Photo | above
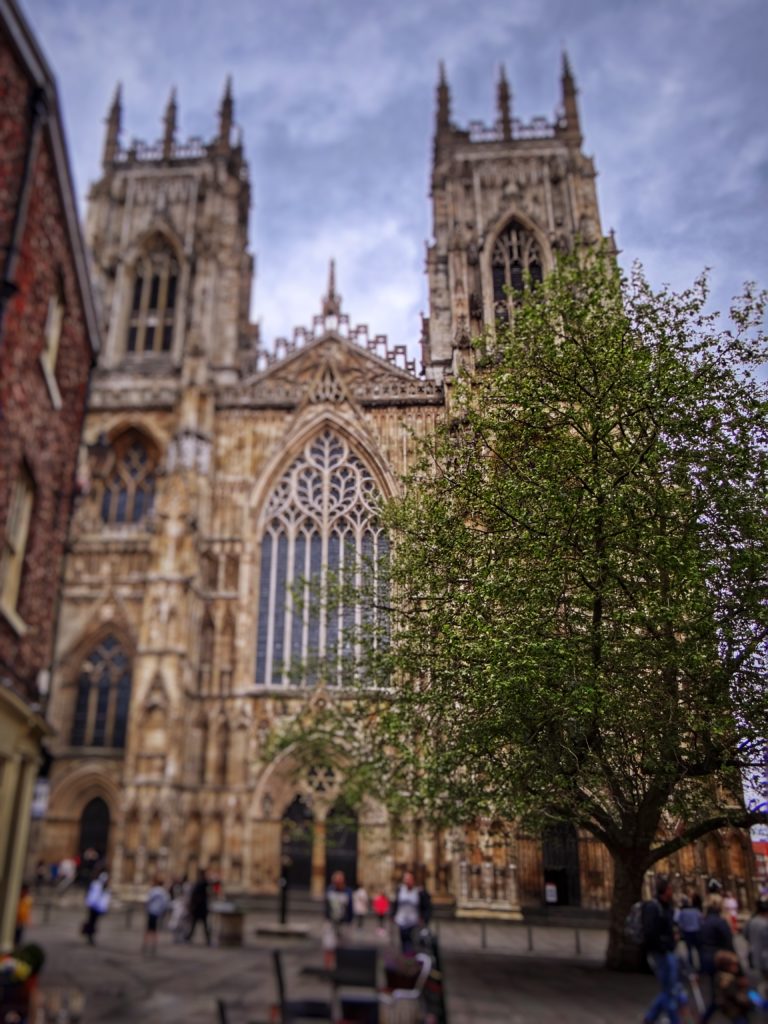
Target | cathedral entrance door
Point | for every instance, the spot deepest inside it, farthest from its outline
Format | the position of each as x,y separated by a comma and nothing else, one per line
560,855
296,848
94,827
341,842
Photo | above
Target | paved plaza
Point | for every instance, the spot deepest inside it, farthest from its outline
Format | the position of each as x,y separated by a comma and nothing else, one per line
504,981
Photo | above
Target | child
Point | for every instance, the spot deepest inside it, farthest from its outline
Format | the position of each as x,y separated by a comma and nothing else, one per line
157,904
731,995
381,910
360,905
23,914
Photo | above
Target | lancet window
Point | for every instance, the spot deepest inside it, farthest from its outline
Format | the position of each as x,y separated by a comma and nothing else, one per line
321,527
515,254
153,300
129,485
103,697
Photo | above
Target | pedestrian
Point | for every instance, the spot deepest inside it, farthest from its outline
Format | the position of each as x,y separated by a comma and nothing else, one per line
716,935
23,914
411,908
731,996
360,905
97,901
157,904
756,934
89,864
338,913
658,920
178,922
66,873
41,875
689,922
731,910
198,907
381,910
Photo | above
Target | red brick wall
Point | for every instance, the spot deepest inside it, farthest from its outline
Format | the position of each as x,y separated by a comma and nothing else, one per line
30,428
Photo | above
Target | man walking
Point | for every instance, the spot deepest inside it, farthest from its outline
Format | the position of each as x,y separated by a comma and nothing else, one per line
660,941
198,907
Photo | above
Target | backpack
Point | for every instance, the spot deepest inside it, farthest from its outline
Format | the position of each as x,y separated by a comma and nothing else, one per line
633,925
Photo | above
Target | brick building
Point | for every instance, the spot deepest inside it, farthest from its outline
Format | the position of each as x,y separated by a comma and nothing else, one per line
48,341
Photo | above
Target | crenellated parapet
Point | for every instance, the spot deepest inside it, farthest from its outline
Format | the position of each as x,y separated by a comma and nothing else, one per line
331,320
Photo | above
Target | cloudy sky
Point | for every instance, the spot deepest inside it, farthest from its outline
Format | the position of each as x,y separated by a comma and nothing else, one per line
336,102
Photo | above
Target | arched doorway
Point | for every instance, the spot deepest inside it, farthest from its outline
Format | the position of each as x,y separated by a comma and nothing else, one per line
341,841
560,855
296,846
94,827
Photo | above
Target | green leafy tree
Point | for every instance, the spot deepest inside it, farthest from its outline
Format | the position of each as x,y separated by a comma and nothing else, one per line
579,605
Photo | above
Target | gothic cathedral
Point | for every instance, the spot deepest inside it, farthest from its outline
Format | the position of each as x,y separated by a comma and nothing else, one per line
221,473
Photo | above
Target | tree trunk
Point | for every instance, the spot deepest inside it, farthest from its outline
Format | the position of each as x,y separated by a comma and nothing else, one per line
628,873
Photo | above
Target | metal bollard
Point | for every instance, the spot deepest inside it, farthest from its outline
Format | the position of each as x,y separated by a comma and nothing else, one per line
530,938
577,933
483,938
128,916
46,912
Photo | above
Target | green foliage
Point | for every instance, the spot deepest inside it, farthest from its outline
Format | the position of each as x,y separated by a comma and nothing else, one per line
578,584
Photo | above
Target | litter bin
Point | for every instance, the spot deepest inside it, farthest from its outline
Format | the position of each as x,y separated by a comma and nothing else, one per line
227,923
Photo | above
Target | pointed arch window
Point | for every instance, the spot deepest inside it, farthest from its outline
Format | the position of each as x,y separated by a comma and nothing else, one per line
153,294
103,697
321,519
129,485
516,254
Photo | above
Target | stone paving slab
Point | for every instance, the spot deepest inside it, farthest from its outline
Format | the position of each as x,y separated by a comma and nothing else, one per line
180,985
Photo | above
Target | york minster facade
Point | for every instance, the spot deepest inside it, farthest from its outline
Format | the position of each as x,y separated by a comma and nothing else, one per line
220,475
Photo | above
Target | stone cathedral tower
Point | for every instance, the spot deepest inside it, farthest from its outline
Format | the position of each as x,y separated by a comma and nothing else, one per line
219,474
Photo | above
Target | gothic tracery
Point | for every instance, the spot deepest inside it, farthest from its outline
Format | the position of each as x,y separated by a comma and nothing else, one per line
321,520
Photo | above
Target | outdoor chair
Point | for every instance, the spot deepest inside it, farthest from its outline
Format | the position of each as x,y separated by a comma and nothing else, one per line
294,1010
403,1005
356,967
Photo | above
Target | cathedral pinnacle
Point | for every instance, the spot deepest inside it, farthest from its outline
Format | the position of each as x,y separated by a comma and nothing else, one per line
570,106
114,124
331,299
443,101
169,122
504,97
226,115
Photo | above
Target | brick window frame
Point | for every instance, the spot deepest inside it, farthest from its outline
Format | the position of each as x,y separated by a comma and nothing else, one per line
14,549
54,325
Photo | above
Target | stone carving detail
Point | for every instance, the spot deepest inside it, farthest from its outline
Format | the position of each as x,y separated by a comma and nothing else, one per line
327,388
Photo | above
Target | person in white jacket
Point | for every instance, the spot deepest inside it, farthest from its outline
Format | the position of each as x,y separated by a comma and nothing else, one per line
97,903
157,903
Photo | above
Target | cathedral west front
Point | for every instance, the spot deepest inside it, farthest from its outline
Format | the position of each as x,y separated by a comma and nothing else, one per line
220,475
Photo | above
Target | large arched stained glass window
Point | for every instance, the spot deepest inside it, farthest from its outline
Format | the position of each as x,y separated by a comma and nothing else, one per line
321,525
515,254
103,697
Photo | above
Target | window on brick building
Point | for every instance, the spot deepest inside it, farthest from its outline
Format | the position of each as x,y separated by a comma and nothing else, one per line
515,259
103,697
128,488
321,520
15,541
153,294
54,323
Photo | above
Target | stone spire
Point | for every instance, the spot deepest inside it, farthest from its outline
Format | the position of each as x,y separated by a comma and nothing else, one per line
443,102
570,106
114,124
226,115
169,122
504,101
331,299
